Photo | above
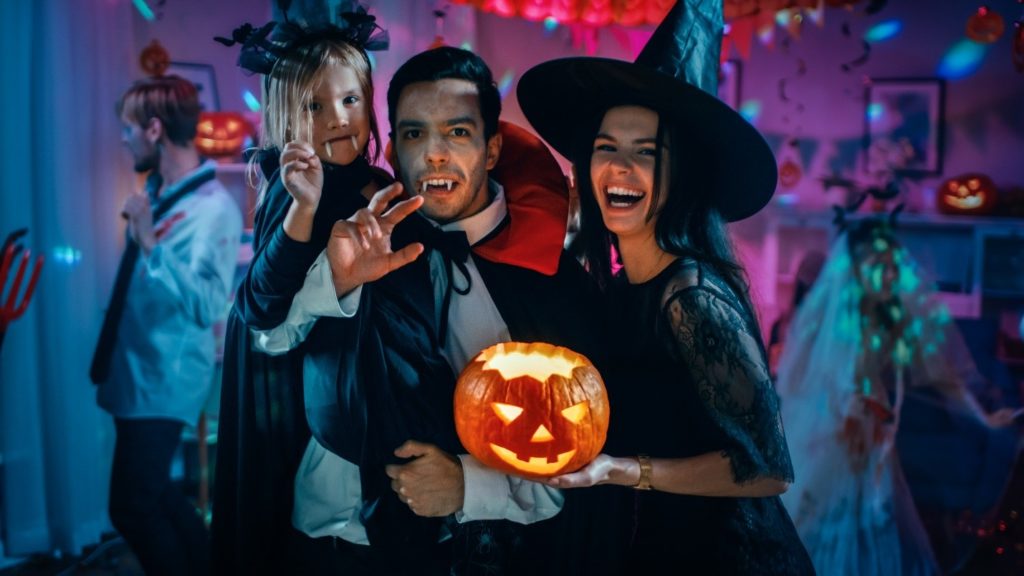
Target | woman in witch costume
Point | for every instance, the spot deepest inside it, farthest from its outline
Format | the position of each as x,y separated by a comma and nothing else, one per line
696,428
319,136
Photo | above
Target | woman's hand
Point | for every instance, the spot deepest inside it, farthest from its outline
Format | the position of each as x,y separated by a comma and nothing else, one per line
302,174
602,470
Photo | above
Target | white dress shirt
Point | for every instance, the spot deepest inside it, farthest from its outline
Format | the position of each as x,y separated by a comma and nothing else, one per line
162,365
327,487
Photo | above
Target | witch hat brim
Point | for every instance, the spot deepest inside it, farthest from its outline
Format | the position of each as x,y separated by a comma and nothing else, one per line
565,101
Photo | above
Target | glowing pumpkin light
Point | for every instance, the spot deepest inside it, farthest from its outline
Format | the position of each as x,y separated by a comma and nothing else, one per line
971,193
221,133
534,410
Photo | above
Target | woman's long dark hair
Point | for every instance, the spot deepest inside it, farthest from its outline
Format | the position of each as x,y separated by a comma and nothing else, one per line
688,226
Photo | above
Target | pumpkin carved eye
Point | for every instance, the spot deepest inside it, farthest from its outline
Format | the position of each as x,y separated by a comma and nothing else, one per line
575,413
507,412
973,184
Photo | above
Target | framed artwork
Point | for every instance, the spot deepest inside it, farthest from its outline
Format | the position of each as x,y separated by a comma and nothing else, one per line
904,121
729,83
202,75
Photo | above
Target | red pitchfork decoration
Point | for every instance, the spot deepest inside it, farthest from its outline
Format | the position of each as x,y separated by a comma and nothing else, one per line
11,309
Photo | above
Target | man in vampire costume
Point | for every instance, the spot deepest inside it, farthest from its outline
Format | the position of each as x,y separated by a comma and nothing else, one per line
385,328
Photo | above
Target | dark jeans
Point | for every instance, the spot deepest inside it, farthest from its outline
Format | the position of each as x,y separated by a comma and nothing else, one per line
163,528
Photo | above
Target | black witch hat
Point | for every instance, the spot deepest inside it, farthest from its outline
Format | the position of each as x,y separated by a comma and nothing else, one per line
676,74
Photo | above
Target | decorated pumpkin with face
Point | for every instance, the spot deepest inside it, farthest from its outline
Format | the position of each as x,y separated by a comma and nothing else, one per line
971,193
221,133
534,410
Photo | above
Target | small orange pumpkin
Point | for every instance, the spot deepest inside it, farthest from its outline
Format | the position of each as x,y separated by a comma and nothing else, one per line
221,133
971,193
534,410
985,26
154,59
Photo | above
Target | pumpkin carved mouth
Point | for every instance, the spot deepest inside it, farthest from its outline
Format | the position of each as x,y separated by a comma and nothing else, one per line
536,465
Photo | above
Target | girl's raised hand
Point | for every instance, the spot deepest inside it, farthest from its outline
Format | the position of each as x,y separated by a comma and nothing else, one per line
302,174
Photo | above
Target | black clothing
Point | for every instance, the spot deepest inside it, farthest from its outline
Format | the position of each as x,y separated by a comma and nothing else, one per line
394,339
262,428
687,375
165,531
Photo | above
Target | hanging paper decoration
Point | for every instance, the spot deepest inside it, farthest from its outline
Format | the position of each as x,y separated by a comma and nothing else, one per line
790,173
154,59
438,29
864,56
1018,42
590,12
985,26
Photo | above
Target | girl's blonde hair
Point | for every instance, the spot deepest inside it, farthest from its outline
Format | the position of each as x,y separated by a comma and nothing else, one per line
289,87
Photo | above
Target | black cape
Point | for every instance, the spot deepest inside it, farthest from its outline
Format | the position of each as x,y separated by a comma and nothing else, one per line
376,380
262,429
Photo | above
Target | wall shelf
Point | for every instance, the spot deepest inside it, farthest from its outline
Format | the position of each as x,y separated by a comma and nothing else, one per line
977,261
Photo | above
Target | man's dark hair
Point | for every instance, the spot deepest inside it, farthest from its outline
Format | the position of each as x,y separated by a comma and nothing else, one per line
443,63
171,99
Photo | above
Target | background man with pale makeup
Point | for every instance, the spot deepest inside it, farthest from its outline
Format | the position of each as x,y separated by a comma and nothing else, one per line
154,361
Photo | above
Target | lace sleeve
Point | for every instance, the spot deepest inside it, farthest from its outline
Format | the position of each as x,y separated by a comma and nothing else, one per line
727,366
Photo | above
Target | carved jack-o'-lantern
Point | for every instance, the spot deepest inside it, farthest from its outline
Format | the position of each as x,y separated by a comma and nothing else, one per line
221,133
971,193
531,409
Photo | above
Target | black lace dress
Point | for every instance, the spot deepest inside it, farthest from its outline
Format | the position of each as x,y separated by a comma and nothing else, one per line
688,375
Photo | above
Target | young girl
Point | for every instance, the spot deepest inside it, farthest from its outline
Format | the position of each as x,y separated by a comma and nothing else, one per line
319,137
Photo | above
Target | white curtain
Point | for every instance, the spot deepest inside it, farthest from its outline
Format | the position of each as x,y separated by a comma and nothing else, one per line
62,173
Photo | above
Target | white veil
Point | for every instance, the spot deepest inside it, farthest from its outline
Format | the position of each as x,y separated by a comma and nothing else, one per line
854,519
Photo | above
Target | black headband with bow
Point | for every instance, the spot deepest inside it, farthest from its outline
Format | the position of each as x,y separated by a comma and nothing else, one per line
262,47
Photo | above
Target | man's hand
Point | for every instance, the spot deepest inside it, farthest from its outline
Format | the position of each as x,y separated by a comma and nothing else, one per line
139,214
302,174
359,249
432,484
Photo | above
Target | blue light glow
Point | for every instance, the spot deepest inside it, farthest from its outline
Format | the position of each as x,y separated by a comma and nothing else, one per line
875,112
883,31
505,84
962,59
251,101
550,24
144,9
750,110
67,255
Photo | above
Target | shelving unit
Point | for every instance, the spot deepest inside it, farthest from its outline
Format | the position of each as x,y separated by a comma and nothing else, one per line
977,263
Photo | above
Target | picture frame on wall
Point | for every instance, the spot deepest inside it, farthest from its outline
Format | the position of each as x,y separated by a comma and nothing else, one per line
203,77
904,122
729,75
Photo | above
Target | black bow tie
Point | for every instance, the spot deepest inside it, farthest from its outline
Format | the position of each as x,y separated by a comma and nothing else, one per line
454,249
